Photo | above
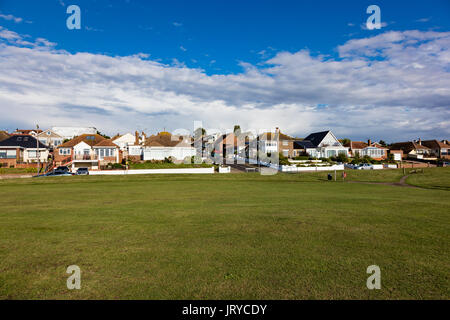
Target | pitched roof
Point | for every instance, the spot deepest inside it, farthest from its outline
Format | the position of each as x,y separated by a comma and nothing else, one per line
317,137
4,135
27,131
408,146
361,145
22,140
304,144
356,145
165,139
106,143
90,139
281,136
435,144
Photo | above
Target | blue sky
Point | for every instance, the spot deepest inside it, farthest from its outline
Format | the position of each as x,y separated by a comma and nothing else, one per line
216,35
256,63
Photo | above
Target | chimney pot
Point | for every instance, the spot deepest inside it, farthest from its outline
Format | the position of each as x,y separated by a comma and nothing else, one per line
369,142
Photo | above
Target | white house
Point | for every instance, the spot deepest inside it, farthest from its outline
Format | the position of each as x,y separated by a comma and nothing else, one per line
50,138
123,141
165,145
322,144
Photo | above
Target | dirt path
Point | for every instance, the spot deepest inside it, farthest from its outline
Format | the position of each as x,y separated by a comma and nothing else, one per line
401,183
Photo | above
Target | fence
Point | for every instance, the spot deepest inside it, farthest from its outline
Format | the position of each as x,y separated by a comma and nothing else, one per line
154,171
311,169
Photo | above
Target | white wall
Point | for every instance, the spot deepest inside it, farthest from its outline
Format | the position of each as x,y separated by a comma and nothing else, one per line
323,168
43,155
154,171
160,153
125,140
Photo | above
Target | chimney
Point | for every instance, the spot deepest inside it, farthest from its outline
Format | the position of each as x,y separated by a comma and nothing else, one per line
144,137
369,142
277,130
136,140
420,141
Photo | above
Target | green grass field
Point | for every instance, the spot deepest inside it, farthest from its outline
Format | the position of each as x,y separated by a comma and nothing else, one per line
232,236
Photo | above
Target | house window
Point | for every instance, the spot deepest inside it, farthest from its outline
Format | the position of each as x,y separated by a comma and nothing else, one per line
64,151
32,154
286,153
2,154
285,143
49,133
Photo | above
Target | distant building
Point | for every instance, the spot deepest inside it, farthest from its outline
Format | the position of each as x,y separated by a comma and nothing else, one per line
165,145
322,144
32,132
71,132
371,149
50,138
22,149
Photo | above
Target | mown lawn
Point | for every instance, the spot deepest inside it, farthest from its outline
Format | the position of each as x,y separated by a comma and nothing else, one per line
233,236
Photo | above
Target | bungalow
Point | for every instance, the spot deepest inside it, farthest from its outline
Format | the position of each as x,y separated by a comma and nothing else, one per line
50,138
440,149
22,149
165,145
322,144
87,151
371,149
413,149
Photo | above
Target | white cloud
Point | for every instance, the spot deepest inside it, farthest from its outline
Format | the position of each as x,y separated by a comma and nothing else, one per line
10,17
392,86
183,48
177,24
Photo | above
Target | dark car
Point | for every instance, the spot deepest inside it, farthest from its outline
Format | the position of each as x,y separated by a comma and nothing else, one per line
62,169
82,171
55,173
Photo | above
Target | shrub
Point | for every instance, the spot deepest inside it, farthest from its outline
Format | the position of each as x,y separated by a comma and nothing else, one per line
302,158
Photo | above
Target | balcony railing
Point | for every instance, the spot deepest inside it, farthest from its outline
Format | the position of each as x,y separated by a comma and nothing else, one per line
85,157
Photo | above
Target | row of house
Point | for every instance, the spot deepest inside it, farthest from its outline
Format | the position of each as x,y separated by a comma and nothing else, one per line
85,147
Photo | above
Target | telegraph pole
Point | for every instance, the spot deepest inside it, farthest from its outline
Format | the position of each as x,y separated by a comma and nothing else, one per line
37,150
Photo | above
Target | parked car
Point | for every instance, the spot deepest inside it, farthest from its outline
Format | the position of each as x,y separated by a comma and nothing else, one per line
365,166
55,173
62,169
82,171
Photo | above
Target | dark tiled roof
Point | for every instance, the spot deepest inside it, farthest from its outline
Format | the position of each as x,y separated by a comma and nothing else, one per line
304,144
407,147
317,137
435,144
22,140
